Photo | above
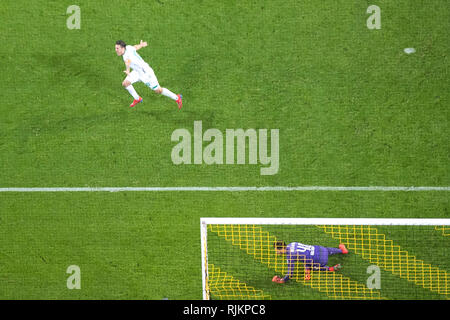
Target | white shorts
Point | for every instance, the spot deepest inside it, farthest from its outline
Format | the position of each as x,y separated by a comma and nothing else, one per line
147,76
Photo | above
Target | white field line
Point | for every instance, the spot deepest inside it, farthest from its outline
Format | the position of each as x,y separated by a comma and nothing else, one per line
228,189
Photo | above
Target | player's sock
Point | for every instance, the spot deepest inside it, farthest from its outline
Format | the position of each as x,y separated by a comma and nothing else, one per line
133,92
168,93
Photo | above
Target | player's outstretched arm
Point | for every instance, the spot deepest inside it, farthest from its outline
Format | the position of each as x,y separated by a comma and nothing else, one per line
142,44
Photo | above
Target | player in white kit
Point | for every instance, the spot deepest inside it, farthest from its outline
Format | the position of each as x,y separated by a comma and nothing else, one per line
141,72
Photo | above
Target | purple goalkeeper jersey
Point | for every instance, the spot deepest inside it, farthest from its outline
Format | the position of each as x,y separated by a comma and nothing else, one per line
310,256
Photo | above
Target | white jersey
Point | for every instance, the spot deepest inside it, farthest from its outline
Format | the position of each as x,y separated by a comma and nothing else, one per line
135,60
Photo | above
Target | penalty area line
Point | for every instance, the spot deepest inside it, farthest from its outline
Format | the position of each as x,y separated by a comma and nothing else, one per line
225,189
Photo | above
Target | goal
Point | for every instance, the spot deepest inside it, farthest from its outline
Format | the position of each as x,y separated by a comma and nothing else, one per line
387,259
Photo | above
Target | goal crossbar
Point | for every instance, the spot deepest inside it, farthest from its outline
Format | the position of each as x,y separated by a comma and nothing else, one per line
328,221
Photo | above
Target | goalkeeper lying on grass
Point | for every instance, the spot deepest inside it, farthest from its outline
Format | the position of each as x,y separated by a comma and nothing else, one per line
313,257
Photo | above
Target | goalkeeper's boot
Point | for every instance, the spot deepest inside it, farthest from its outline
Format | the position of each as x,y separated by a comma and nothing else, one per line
179,101
343,248
135,102
335,268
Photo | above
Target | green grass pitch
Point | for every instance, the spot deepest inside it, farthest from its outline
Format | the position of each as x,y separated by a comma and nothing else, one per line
352,109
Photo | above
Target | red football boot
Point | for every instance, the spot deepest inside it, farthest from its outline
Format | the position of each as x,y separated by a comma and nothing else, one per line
179,101
343,248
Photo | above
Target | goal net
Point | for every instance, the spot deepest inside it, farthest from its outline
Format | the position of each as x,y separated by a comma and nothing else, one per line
386,259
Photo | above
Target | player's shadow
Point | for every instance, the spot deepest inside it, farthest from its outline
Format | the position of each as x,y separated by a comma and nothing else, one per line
71,68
